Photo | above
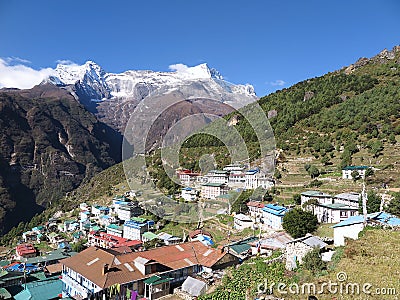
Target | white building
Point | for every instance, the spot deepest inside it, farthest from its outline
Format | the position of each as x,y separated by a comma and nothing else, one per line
272,216
333,213
241,221
127,211
114,229
217,176
255,209
321,197
134,229
98,210
189,194
346,171
350,199
213,190
351,227
254,179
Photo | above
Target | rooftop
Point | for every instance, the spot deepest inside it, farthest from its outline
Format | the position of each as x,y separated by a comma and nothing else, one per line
355,168
380,217
275,209
214,184
311,240
339,206
315,194
89,263
349,196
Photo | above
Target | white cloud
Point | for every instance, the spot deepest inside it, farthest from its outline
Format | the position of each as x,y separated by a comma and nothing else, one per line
278,82
180,68
66,62
19,75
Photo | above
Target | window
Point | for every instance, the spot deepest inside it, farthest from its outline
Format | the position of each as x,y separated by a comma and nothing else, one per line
343,213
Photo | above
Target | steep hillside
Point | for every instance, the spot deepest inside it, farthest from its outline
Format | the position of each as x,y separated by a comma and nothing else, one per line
49,144
350,109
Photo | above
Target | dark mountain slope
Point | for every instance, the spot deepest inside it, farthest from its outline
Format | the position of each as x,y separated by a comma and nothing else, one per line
49,144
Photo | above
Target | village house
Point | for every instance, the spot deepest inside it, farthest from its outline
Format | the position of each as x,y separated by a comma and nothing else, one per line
95,272
98,210
255,209
107,241
272,216
298,248
276,241
168,239
333,213
346,171
254,179
217,176
127,211
24,251
241,221
187,177
349,199
213,190
134,228
351,227
114,229
241,248
189,194
321,197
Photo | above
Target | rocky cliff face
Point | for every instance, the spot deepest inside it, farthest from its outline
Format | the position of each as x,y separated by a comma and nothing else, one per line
49,144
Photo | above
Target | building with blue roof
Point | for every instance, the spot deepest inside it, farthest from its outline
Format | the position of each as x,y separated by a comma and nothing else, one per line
351,227
272,216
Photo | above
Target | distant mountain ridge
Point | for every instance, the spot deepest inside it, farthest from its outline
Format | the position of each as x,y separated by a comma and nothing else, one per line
113,97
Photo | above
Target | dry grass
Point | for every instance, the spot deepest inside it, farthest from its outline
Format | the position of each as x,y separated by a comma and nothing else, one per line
373,259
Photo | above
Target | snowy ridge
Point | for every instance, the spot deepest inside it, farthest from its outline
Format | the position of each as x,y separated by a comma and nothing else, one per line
93,83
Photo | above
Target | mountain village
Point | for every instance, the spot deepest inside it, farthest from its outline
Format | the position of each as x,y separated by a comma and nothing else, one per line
113,252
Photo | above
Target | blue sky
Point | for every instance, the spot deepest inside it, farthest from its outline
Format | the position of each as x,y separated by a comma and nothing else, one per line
270,44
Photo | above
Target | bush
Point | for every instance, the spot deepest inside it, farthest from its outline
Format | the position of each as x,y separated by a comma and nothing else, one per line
298,222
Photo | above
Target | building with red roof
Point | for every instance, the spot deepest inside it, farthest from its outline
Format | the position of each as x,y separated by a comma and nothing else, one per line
108,241
25,251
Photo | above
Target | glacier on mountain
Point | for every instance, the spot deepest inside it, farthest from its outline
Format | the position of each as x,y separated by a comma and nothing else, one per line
93,83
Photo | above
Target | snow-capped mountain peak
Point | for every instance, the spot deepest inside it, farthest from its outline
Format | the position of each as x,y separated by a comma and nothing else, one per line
71,73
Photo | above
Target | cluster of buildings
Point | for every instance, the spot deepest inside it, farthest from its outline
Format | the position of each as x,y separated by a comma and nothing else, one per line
218,182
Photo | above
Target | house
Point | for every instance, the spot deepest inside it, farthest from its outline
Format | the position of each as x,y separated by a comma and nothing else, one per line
189,194
351,227
84,215
148,236
24,251
346,171
98,210
321,197
237,176
127,210
241,221
255,209
95,272
114,229
169,239
192,288
298,248
276,241
187,177
217,176
213,190
350,199
134,228
333,213
70,225
107,241
272,216
31,236
254,179
241,248
105,220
